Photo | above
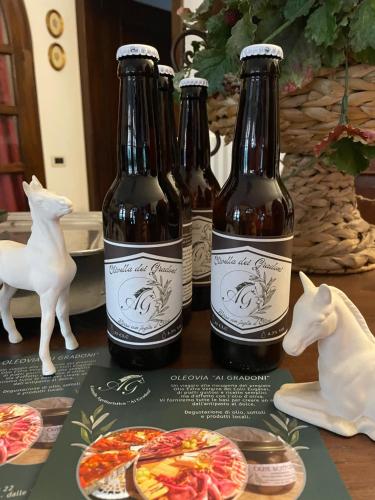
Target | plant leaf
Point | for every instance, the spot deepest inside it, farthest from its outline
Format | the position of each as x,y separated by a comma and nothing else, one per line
296,8
98,410
213,64
85,436
279,421
294,438
108,426
217,31
362,32
99,420
242,34
82,425
350,156
85,419
321,26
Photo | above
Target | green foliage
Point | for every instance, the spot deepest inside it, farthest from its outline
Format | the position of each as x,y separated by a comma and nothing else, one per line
362,26
347,155
321,26
297,8
242,34
212,64
312,33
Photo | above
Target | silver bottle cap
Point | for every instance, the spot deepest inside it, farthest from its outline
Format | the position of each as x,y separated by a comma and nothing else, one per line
262,49
165,70
193,82
137,49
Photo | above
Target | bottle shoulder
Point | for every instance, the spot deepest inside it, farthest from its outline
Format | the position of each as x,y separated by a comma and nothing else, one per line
136,191
254,206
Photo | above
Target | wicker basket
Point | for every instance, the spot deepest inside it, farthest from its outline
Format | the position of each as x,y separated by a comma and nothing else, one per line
308,114
330,235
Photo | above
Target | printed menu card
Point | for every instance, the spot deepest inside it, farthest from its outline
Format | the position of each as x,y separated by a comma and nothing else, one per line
185,434
32,411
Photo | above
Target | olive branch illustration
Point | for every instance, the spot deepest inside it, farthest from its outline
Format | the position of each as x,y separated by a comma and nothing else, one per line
287,428
89,426
262,300
204,246
165,291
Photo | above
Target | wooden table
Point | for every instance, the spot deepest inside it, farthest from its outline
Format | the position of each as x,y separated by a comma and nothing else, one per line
354,457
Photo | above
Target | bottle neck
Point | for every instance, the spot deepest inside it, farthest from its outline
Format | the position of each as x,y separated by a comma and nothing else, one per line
168,139
256,147
194,141
138,132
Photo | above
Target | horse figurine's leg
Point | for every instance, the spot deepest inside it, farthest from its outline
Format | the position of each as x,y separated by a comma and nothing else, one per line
305,401
62,313
6,293
48,304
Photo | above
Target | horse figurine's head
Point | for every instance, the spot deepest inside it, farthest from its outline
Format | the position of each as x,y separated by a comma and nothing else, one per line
43,202
314,317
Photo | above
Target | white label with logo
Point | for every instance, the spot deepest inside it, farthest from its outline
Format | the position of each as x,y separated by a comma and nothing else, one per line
187,270
250,284
280,474
49,433
202,243
143,292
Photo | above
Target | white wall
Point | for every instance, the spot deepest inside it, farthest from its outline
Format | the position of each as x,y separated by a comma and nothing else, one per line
60,102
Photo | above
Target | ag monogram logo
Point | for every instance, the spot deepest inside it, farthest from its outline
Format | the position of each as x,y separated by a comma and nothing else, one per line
123,391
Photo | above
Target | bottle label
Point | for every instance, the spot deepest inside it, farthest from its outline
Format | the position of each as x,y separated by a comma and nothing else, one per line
250,287
202,242
143,292
187,284
278,474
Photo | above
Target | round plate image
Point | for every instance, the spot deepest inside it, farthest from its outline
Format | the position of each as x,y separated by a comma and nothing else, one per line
104,469
190,463
275,469
53,411
20,426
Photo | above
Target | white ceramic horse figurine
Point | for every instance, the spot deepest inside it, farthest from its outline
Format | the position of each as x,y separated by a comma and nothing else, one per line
343,400
42,265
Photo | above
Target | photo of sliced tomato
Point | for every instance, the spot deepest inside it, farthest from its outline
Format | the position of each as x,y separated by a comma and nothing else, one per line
103,464
20,426
187,464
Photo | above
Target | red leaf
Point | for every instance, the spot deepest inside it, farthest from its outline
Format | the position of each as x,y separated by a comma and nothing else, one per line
340,131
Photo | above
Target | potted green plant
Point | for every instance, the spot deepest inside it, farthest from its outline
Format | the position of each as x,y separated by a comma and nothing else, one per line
327,109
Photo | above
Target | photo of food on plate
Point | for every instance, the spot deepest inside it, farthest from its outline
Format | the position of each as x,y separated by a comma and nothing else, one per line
20,427
274,467
53,411
190,463
104,468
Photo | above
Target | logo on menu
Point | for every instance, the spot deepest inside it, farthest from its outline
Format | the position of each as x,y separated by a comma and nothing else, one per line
123,391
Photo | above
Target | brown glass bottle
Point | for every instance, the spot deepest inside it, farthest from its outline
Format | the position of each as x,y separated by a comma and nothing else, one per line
194,155
142,228
170,168
253,229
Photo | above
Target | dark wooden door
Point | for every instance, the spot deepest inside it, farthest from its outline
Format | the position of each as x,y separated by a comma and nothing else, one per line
104,25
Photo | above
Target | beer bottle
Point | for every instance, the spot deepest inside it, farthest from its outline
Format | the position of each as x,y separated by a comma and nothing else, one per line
253,228
170,168
194,154
142,227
